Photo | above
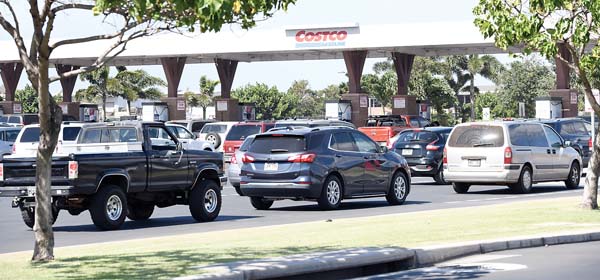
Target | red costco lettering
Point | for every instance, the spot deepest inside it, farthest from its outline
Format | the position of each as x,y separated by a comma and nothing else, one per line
303,36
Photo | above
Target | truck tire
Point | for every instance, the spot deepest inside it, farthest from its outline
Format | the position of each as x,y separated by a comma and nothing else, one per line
28,215
108,208
139,211
205,201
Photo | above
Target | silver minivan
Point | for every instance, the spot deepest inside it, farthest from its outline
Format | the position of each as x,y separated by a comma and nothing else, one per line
513,153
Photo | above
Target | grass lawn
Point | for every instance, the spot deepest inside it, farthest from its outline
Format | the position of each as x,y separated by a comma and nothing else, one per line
172,256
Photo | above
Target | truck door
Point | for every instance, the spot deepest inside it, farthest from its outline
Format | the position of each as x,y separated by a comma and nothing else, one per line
168,165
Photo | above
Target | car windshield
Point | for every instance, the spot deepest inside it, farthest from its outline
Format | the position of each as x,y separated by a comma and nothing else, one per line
30,135
477,136
417,136
240,132
270,144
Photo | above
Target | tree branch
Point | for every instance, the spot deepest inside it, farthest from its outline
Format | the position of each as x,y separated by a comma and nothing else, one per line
72,6
130,26
20,44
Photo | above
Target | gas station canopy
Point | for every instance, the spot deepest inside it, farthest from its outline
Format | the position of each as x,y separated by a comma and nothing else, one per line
288,43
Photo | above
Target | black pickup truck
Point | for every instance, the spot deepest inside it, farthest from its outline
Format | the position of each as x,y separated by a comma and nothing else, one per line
115,183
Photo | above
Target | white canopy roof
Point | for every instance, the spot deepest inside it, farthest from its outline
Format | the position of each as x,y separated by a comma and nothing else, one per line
287,43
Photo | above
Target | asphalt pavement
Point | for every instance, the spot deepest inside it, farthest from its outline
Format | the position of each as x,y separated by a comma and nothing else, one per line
238,213
572,261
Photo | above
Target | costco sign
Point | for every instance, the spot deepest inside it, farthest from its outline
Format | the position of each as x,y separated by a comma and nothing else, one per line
321,38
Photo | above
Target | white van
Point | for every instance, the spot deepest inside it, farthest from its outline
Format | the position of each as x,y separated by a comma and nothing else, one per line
514,153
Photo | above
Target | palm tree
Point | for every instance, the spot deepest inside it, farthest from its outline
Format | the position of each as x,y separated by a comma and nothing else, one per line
457,77
207,90
100,87
487,66
191,100
138,84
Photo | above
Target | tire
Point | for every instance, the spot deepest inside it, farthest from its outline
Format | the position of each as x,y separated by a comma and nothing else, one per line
238,190
205,201
214,139
139,211
525,181
461,187
331,194
399,189
439,177
572,181
108,208
28,215
260,203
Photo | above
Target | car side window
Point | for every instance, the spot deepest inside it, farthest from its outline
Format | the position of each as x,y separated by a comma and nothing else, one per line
344,142
196,127
537,138
91,136
414,122
162,143
364,144
2,136
183,134
518,135
553,137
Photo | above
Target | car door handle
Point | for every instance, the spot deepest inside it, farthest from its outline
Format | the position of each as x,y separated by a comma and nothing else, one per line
553,151
548,151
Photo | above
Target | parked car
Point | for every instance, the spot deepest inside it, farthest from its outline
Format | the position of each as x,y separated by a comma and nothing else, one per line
382,129
9,134
322,164
575,131
239,132
26,143
188,139
195,126
215,133
19,119
423,149
235,165
513,153
312,123
115,185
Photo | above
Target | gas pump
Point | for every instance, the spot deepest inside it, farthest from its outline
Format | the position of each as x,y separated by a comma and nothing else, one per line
155,111
338,109
248,111
424,109
88,112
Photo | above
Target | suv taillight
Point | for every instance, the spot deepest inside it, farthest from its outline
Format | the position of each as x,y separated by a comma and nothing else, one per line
445,160
247,159
507,155
432,147
1,172
590,145
303,158
233,159
73,169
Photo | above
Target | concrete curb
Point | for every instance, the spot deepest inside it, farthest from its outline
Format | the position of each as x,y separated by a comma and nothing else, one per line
350,263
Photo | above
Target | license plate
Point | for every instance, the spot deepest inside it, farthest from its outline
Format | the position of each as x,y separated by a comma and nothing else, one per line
474,163
407,152
271,166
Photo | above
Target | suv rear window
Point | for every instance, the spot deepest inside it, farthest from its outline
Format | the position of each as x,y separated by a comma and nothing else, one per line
70,133
215,128
477,136
31,135
29,119
278,144
417,136
240,132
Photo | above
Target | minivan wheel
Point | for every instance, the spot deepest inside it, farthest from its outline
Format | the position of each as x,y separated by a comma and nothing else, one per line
398,189
108,208
572,181
525,181
205,201
439,177
460,187
259,203
331,195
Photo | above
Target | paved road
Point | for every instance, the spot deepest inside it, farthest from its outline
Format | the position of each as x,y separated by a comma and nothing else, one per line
573,261
238,213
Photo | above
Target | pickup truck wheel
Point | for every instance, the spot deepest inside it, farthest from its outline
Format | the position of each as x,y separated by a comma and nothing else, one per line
205,201
28,215
139,211
108,208
260,203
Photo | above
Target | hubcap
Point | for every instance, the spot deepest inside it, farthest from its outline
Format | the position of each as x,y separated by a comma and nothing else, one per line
210,201
114,207
400,187
527,179
575,174
211,139
333,192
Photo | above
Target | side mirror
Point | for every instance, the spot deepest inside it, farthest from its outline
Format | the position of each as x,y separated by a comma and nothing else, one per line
567,144
383,149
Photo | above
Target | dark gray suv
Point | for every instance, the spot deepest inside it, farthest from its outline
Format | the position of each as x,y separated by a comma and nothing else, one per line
325,164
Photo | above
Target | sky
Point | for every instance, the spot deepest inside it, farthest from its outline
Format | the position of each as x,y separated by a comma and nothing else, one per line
319,73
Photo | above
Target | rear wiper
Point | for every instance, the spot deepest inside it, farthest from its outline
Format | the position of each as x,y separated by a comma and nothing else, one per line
415,140
483,144
279,151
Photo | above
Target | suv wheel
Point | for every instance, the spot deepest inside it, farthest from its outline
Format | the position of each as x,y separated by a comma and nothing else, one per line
460,187
139,211
439,177
214,139
259,203
525,181
331,195
572,181
205,201
398,189
28,215
108,208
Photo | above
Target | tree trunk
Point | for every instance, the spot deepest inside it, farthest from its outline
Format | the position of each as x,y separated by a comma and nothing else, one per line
590,189
129,106
50,116
203,112
104,106
472,96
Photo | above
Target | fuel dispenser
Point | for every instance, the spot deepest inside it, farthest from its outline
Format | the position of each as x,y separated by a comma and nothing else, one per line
548,107
155,111
88,112
338,109
248,111
424,109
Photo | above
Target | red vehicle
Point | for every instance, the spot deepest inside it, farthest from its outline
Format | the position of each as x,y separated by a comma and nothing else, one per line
239,132
382,128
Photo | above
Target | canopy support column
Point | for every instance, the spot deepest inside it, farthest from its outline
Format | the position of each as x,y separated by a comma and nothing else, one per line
68,106
226,108
563,89
173,67
359,100
402,103
10,72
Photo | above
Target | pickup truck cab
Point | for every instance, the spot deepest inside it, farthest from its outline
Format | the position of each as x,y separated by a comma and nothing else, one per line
113,185
383,128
